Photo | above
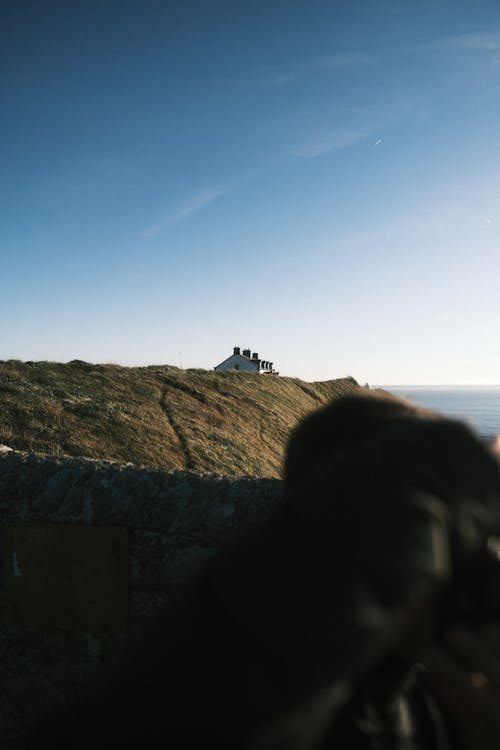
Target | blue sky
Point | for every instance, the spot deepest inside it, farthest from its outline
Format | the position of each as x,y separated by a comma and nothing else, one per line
317,181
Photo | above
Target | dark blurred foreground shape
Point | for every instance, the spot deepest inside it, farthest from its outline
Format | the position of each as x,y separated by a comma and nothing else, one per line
383,507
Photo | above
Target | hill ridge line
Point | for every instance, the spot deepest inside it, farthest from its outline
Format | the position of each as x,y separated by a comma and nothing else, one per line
228,423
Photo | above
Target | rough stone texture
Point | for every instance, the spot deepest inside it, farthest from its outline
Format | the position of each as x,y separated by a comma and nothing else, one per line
174,521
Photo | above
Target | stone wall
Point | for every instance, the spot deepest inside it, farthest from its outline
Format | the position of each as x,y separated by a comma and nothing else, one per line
88,549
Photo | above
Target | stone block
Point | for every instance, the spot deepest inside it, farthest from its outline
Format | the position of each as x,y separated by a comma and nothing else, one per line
66,576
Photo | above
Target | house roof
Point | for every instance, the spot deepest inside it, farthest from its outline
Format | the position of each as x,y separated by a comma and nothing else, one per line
256,361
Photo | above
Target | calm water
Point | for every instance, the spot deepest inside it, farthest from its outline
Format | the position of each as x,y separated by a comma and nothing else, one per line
477,405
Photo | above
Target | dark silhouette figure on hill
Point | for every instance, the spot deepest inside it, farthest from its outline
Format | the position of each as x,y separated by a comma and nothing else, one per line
334,623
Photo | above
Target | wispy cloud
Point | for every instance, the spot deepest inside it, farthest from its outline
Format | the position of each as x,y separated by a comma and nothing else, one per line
483,41
312,150
300,70
333,142
185,208
490,222
478,54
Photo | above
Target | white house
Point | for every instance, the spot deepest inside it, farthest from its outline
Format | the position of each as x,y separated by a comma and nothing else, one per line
247,362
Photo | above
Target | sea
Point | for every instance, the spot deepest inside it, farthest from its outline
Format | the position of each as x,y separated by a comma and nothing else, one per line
479,406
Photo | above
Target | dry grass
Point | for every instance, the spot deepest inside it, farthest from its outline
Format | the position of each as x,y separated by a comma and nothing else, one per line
224,422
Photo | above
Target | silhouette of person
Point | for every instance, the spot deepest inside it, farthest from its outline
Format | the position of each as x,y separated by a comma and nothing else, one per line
279,639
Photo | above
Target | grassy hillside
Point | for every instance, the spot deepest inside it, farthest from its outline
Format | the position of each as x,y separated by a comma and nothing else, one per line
224,422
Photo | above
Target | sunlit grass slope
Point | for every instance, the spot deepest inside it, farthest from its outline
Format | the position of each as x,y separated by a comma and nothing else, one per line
223,422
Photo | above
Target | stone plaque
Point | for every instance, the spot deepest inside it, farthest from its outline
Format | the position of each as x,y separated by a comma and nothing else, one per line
66,576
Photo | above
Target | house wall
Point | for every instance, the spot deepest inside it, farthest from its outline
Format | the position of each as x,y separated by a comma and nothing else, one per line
88,550
245,364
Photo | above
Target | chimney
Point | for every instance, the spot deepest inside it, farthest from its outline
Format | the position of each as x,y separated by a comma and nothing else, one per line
236,350
255,355
246,353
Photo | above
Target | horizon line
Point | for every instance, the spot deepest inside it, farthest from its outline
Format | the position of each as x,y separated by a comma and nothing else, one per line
438,385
